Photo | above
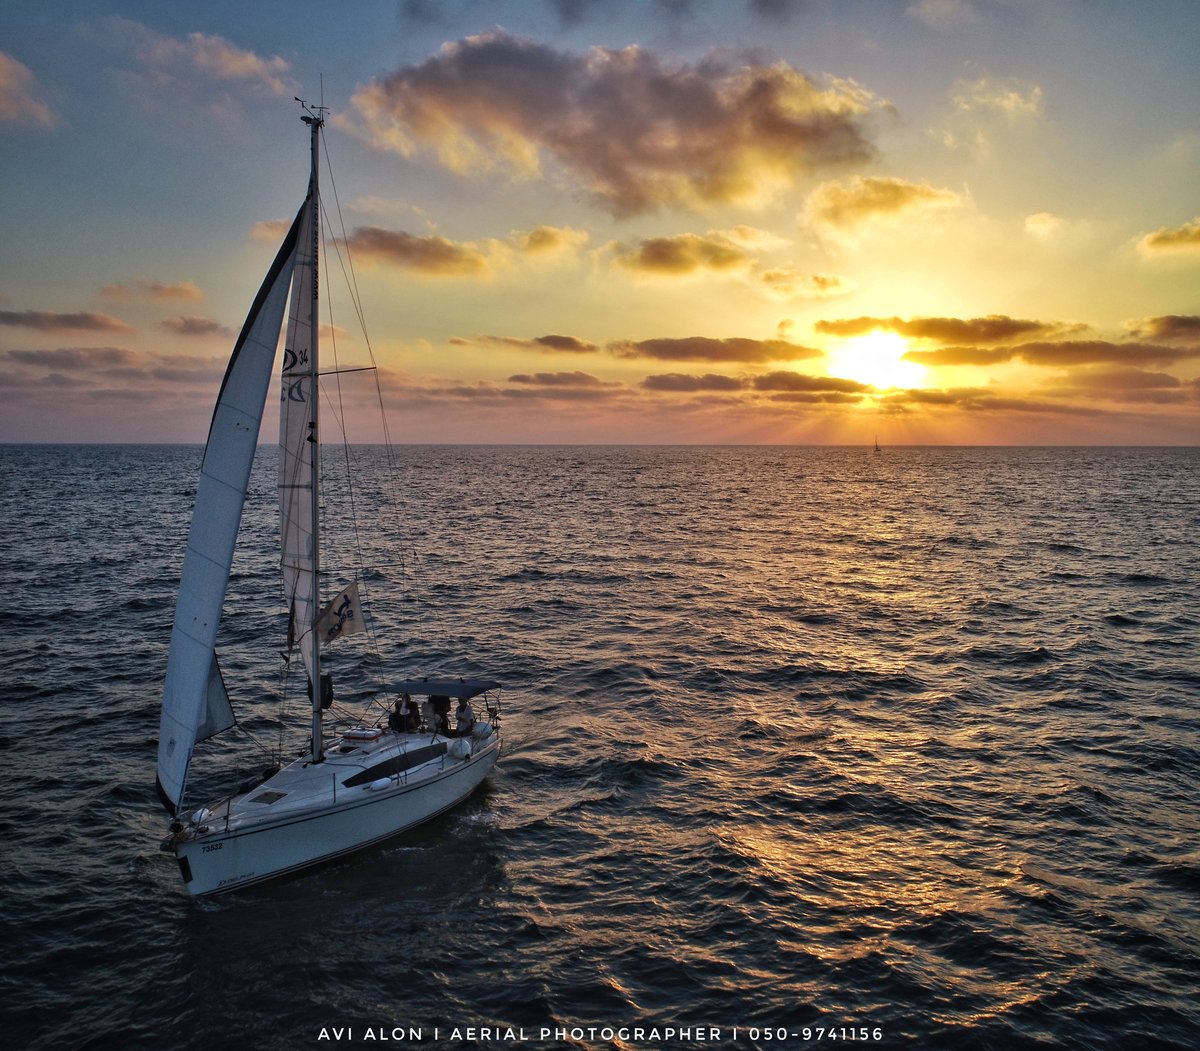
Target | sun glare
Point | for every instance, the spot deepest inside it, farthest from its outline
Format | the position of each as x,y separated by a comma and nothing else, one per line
876,358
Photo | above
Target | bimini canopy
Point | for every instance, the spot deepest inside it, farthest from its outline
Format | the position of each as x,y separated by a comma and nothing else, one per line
454,688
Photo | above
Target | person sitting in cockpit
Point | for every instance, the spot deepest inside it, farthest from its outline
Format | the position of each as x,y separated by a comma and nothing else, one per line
405,719
441,715
464,718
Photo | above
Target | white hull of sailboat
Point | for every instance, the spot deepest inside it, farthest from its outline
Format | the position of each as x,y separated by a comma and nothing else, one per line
231,856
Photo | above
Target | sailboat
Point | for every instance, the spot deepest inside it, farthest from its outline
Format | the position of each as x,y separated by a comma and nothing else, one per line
402,764
877,449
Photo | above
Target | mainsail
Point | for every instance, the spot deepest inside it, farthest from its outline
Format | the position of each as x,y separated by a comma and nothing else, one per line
192,707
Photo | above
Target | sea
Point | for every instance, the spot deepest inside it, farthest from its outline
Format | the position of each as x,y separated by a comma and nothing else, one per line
804,748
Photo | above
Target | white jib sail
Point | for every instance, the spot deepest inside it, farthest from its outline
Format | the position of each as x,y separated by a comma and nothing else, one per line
224,475
297,433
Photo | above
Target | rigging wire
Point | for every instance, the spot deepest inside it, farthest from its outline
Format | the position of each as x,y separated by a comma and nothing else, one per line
342,250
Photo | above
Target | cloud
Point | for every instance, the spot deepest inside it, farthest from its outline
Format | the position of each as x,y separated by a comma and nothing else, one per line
684,254
797,381
974,400
1059,354
817,397
19,101
961,356
437,256
705,348
1177,240
212,59
848,204
1123,383
430,255
679,383
1043,226
1008,96
270,230
635,131
995,328
1096,351
547,240
785,283
73,358
485,394
154,290
108,371
45,321
195,326
1169,327
550,344
560,379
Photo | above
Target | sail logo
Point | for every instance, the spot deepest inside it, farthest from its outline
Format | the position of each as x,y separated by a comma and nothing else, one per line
295,391
343,616
344,613
292,360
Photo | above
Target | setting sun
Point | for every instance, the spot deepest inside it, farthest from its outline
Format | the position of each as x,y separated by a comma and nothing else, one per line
877,358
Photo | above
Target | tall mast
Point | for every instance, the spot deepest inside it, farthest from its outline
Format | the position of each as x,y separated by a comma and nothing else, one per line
315,119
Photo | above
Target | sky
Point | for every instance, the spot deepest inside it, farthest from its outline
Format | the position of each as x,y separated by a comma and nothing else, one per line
606,221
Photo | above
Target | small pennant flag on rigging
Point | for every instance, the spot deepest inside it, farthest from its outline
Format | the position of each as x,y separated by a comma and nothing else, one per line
343,616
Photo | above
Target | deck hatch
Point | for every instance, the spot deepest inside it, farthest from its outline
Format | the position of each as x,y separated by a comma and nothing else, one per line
266,797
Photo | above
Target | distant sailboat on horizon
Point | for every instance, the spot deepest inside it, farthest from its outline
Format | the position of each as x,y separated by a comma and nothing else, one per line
877,449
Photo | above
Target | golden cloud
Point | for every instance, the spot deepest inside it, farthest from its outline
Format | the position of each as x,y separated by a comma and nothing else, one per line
634,130
549,344
706,348
560,379
995,328
1058,354
1098,351
785,283
849,203
550,239
684,254
1168,327
961,356
1008,96
1043,226
975,400
1173,240
431,255
678,382
798,381
1123,384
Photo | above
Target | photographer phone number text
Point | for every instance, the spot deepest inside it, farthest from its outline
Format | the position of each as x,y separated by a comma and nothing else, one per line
809,1033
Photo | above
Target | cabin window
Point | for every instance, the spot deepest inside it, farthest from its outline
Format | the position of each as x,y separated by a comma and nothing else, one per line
397,764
